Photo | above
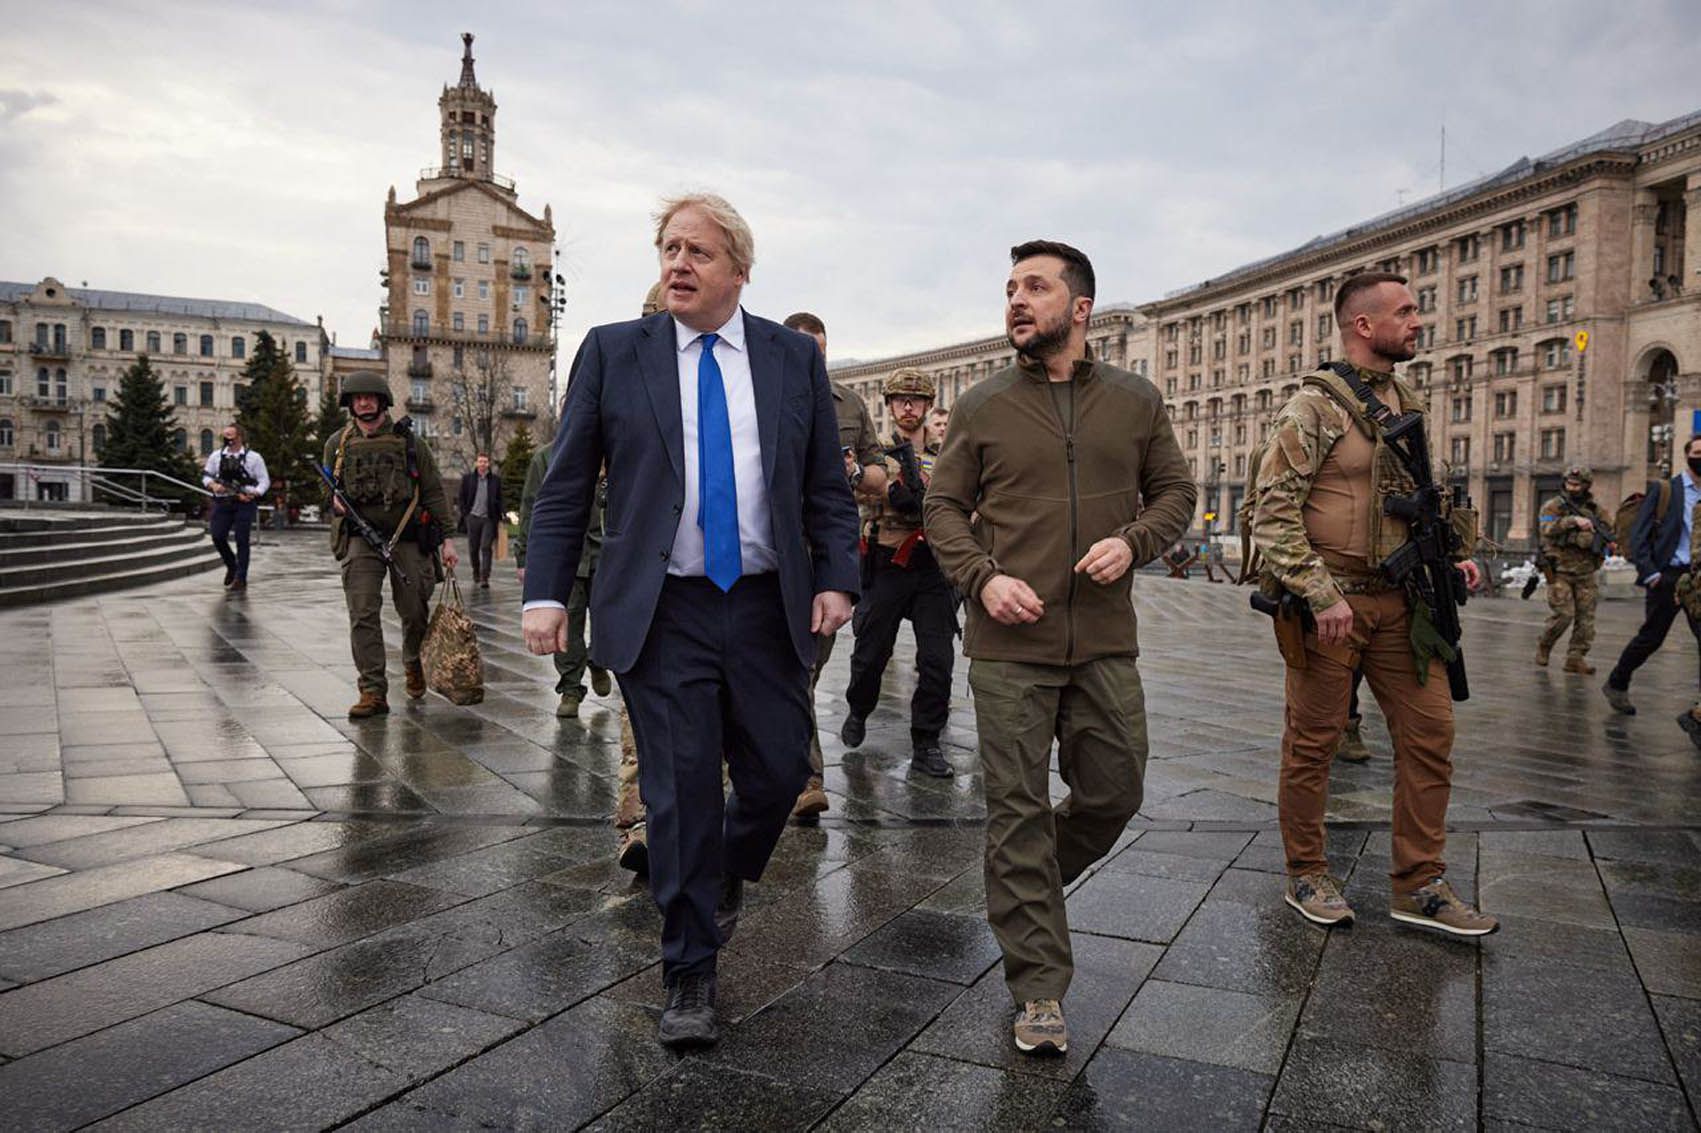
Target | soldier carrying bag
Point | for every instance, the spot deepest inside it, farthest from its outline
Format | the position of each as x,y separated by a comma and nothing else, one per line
449,653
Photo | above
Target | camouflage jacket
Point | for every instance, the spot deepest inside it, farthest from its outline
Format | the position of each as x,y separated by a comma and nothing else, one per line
1301,437
1570,548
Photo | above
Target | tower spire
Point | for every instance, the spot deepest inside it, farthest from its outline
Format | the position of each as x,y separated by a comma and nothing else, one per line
468,79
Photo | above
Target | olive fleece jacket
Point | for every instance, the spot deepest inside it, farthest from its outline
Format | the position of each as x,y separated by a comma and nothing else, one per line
1033,473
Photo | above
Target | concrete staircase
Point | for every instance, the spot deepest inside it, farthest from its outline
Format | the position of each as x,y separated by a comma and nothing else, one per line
46,556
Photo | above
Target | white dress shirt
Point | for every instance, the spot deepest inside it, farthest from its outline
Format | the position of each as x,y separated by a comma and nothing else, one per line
252,463
755,528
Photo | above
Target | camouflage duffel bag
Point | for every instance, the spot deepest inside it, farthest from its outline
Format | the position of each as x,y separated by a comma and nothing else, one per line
450,650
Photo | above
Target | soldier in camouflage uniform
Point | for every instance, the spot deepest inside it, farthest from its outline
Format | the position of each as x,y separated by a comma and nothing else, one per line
1318,524
901,579
391,479
569,665
1575,533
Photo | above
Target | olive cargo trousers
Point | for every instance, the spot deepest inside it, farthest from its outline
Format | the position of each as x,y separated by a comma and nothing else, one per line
1097,714
363,587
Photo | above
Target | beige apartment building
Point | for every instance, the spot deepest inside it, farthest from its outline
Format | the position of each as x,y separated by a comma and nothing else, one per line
466,333
1117,334
64,350
1594,245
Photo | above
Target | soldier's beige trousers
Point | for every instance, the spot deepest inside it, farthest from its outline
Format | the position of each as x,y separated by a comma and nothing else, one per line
1420,720
1571,602
363,587
1096,712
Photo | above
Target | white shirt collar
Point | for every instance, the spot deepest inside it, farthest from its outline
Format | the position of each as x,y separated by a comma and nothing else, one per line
731,332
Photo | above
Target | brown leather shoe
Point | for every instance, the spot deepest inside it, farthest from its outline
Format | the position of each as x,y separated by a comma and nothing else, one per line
1578,665
812,801
416,680
369,704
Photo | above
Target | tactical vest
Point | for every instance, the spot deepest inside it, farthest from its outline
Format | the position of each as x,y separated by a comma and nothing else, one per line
883,523
373,472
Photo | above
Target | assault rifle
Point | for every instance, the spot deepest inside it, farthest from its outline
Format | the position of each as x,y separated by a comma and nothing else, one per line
906,494
234,476
368,532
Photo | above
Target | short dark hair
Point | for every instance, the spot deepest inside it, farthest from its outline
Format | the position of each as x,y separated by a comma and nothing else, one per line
1077,268
482,452
1363,281
806,322
1693,437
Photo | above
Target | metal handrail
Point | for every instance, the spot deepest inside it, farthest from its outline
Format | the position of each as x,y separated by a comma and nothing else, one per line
103,475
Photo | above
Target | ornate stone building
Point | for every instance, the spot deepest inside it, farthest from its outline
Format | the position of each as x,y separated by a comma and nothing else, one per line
466,331
1598,242
63,351
1116,333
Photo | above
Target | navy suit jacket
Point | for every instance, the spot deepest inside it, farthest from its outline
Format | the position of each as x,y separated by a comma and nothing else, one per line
622,407
1653,541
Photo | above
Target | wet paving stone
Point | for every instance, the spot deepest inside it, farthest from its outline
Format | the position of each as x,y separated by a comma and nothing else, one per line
1669,963
1569,1097
1574,1016
697,1097
1394,989
89,889
51,948
744,984
922,1093
143,841
85,1080
1680,1020
348,914
1201,1024
537,980
940,946
1122,1089
397,850
1346,1084
1134,906
260,890
1259,950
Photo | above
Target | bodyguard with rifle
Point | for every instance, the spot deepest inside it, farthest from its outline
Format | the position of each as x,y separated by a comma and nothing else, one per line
236,476
388,507
1576,536
1362,557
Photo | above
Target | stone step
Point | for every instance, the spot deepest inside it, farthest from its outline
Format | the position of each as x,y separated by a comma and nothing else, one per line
68,546
50,591
188,545
22,528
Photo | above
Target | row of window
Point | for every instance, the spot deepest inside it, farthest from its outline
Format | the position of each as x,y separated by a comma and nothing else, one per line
419,393
458,288
52,336
421,326
1504,447
519,259
53,437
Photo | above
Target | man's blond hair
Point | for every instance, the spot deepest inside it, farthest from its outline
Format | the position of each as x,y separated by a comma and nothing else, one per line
740,241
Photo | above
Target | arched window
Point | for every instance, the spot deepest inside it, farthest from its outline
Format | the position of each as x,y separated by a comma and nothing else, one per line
421,323
97,338
239,347
180,441
206,442
51,435
153,342
179,343
5,432
206,346
421,252
126,340
520,331
98,436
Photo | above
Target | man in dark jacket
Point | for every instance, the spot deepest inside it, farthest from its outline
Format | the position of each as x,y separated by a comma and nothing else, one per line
1663,547
481,513
1058,477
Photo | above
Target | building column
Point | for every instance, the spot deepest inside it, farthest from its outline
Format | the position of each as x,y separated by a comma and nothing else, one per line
1644,210
1687,263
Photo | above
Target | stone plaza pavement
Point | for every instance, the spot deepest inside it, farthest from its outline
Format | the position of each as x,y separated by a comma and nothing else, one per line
225,906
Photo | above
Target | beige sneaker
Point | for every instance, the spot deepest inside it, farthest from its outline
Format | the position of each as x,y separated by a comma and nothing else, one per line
1317,898
1435,905
1040,1029
568,706
1350,746
812,801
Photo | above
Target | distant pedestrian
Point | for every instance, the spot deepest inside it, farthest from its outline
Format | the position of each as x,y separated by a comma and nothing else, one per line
481,514
1576,535
236,476
1077,478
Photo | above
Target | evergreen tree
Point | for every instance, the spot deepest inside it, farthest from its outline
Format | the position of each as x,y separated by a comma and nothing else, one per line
142,431
331,420
514,463
273,414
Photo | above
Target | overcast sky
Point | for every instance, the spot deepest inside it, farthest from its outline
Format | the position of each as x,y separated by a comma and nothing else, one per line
887,155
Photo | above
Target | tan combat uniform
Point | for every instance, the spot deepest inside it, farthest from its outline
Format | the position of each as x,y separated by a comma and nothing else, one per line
1319,527
374,476
1572,562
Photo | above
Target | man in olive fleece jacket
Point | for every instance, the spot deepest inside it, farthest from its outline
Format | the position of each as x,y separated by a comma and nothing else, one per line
1058,477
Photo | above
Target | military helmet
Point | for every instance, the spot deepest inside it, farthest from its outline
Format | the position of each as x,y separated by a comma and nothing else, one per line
365,381
1579,472
909,382
653,301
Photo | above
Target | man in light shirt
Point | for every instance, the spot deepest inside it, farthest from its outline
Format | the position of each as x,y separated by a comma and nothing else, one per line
236,476
722,452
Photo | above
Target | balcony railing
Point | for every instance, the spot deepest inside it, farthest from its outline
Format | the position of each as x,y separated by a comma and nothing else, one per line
520,412
50,349
438,332
520,271
419,369
435,173
420,263
419,405
56,404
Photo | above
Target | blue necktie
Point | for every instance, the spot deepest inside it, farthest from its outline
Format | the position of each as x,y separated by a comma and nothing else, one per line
717,490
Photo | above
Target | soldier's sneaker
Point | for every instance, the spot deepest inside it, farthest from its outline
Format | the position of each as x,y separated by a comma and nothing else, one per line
1039,1028
369,704
853,730
1619,699
1435,905
1579,665
635,850
416,680
1543,650
1350,746
688,1017
1691,726
1317,898
928,759
812,801
568,705
600,683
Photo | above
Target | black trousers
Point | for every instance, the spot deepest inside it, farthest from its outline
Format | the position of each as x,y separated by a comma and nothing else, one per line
1659,604
228,516
718,673
920,593
481,544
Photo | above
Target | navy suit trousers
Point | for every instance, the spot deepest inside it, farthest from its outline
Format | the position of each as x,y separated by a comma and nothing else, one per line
717,674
